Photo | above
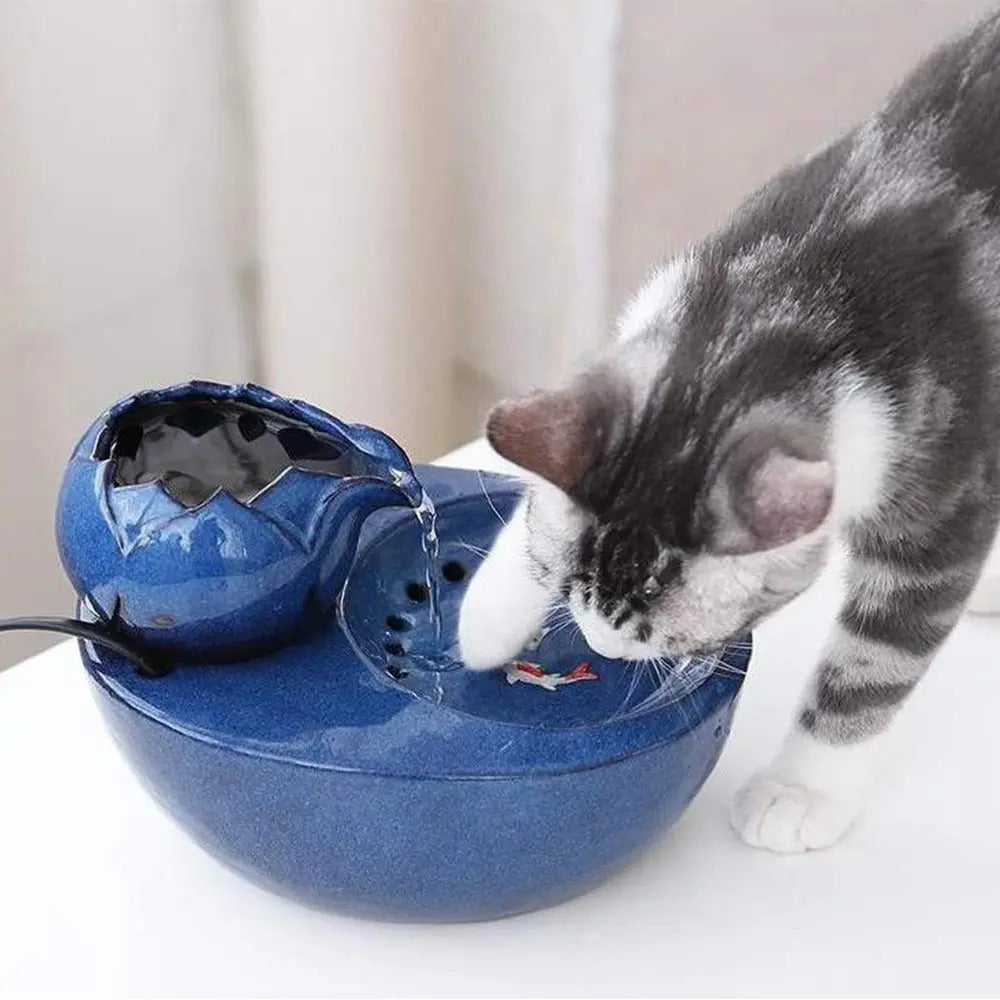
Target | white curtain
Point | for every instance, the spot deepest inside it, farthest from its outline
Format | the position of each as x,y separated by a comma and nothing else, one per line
432,180
384,206
126,254
399,209
356,233
535,86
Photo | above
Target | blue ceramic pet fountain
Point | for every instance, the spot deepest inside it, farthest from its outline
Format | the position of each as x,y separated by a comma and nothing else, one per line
298,708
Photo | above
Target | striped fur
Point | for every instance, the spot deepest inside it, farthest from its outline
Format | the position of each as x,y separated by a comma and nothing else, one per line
847,318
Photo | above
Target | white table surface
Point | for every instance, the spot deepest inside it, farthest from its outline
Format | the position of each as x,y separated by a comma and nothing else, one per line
100,893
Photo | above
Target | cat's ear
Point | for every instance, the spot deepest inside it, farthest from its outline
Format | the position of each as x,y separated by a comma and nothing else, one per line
555,434
773,497
785,497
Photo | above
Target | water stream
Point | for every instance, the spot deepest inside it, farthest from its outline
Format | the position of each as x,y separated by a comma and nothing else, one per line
427,519
439,659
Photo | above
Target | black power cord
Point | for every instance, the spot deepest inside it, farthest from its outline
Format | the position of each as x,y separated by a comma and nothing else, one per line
144,663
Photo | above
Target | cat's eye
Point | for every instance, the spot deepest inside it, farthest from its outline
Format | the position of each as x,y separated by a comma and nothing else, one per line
667,573
651,590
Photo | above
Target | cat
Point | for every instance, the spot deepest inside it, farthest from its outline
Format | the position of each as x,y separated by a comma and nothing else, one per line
827,365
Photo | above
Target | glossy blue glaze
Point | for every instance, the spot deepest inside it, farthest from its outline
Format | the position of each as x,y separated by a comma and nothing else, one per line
424,796
228,576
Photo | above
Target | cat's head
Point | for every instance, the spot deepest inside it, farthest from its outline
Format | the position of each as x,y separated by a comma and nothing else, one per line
673,516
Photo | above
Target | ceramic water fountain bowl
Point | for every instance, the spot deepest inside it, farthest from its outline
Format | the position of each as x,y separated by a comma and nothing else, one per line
353,764
214,520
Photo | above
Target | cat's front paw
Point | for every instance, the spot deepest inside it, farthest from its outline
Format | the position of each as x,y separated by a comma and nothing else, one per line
486,638
789,819
500,615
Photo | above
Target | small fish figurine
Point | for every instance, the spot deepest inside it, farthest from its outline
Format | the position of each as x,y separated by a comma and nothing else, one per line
532,673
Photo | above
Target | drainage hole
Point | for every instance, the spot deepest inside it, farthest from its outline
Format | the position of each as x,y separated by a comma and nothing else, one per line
416,592
397,623
453,572
395,649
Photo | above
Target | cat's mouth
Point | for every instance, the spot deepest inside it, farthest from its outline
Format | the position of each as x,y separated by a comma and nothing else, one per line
605,641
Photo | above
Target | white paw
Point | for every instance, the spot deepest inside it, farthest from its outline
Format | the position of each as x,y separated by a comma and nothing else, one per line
504,606
502,611
770,813
488,633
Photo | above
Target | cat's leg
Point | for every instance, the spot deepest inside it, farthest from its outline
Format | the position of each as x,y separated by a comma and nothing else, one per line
510,593
891,625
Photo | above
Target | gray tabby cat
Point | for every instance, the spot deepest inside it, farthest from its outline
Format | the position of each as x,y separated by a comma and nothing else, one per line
826,364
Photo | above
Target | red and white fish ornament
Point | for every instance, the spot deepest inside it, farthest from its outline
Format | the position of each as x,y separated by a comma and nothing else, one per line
522,672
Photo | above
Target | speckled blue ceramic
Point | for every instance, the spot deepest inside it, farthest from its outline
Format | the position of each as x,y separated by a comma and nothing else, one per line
210,520
359,768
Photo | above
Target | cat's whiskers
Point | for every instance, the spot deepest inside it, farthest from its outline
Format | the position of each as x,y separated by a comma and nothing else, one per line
474,549
556,629
664,672
489,499
638,669
558,612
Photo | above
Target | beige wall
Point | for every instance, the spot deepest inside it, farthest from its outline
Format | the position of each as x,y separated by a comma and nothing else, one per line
714,96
